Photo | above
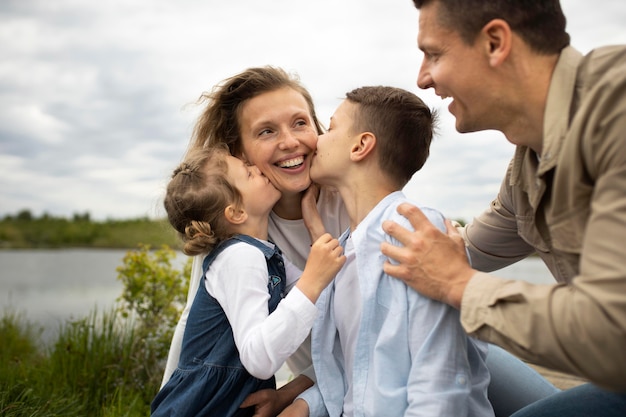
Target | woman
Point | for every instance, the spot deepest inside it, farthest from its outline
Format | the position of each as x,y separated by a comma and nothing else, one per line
267,118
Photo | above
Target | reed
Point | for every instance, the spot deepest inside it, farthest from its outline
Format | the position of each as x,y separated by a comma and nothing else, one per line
97,366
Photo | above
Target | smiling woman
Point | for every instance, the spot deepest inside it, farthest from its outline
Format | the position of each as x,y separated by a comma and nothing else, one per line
266,117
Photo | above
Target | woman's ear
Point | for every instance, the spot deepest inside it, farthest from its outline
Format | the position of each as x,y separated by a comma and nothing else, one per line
364,145
498,38
235,215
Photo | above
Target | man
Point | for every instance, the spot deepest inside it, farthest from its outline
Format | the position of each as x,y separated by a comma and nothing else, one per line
508,66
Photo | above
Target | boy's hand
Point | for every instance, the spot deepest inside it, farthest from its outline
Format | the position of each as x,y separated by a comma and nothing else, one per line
310,214
325,260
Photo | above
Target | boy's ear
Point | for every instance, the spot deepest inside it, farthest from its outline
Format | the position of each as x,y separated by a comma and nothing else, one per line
497,37
363,146
235,215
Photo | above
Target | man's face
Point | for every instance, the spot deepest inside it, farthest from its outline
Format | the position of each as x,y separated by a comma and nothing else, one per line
454,70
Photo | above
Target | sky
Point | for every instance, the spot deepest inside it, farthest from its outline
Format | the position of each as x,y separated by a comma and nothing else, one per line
97,98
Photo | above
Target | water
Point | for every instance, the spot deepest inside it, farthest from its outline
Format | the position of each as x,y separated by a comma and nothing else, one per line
51,286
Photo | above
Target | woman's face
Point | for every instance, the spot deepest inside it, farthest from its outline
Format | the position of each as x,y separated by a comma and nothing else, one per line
278,135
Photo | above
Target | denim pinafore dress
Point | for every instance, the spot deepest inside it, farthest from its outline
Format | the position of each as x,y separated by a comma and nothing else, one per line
210,379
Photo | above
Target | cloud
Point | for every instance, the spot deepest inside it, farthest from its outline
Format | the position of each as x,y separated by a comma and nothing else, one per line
96,98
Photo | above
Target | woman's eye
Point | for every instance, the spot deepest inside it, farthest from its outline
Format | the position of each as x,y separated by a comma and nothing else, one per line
265,132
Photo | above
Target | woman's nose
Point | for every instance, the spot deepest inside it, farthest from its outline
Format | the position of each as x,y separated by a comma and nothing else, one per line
288,140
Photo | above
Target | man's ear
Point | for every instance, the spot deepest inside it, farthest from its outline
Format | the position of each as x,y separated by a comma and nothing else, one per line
235,215
498,38
363,146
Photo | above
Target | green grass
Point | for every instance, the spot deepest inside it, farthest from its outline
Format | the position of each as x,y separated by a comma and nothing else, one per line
97,366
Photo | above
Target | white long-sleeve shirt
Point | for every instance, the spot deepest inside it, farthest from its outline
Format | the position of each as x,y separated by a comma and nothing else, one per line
237,279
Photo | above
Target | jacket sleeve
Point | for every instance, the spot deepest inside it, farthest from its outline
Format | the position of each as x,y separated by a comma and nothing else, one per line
492,239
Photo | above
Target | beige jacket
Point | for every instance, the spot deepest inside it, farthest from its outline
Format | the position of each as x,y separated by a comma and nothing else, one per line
569,208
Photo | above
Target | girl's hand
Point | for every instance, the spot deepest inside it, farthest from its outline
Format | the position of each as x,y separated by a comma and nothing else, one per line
325,260
310,214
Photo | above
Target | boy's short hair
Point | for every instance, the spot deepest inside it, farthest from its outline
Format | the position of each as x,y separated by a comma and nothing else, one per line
403,125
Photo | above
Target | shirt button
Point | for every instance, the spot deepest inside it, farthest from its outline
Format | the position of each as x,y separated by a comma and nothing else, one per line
461,379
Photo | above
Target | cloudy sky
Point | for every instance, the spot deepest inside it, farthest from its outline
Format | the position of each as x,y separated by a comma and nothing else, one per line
97,97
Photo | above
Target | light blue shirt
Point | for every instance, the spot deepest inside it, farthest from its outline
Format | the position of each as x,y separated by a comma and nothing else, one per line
412,356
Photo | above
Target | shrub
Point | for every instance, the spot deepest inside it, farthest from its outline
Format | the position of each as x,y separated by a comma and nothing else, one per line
153,297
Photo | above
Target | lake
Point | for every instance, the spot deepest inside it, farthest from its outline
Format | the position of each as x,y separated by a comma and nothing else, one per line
51,286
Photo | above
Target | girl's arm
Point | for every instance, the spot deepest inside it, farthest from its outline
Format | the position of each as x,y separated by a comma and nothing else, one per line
239,283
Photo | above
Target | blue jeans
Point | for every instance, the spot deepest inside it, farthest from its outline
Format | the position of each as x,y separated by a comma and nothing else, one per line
514,385
581,401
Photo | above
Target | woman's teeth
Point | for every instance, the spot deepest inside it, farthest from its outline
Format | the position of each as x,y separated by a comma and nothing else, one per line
290,163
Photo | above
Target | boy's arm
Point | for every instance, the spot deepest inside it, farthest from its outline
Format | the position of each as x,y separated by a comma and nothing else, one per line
310,213
436,344
439,381
313,399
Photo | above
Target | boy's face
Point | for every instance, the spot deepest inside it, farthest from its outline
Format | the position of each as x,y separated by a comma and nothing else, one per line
332,157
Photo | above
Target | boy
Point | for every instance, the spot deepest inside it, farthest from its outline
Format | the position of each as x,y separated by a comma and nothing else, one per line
380,348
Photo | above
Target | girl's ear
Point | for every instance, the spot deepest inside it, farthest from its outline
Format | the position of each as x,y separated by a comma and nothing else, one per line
363,147
235,215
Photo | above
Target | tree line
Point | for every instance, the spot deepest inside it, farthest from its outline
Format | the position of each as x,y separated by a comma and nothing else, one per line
26,231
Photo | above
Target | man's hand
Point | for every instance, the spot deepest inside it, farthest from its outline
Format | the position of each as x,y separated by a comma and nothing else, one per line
431,262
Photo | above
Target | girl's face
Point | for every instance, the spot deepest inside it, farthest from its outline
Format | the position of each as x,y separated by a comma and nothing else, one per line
259,195
278,135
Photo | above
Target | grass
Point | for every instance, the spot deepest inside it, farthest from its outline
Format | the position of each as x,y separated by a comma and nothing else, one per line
97,366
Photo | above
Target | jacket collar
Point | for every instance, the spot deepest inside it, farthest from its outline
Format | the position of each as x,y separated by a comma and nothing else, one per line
556,121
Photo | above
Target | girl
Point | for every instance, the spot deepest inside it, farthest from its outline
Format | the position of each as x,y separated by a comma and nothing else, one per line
238,332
